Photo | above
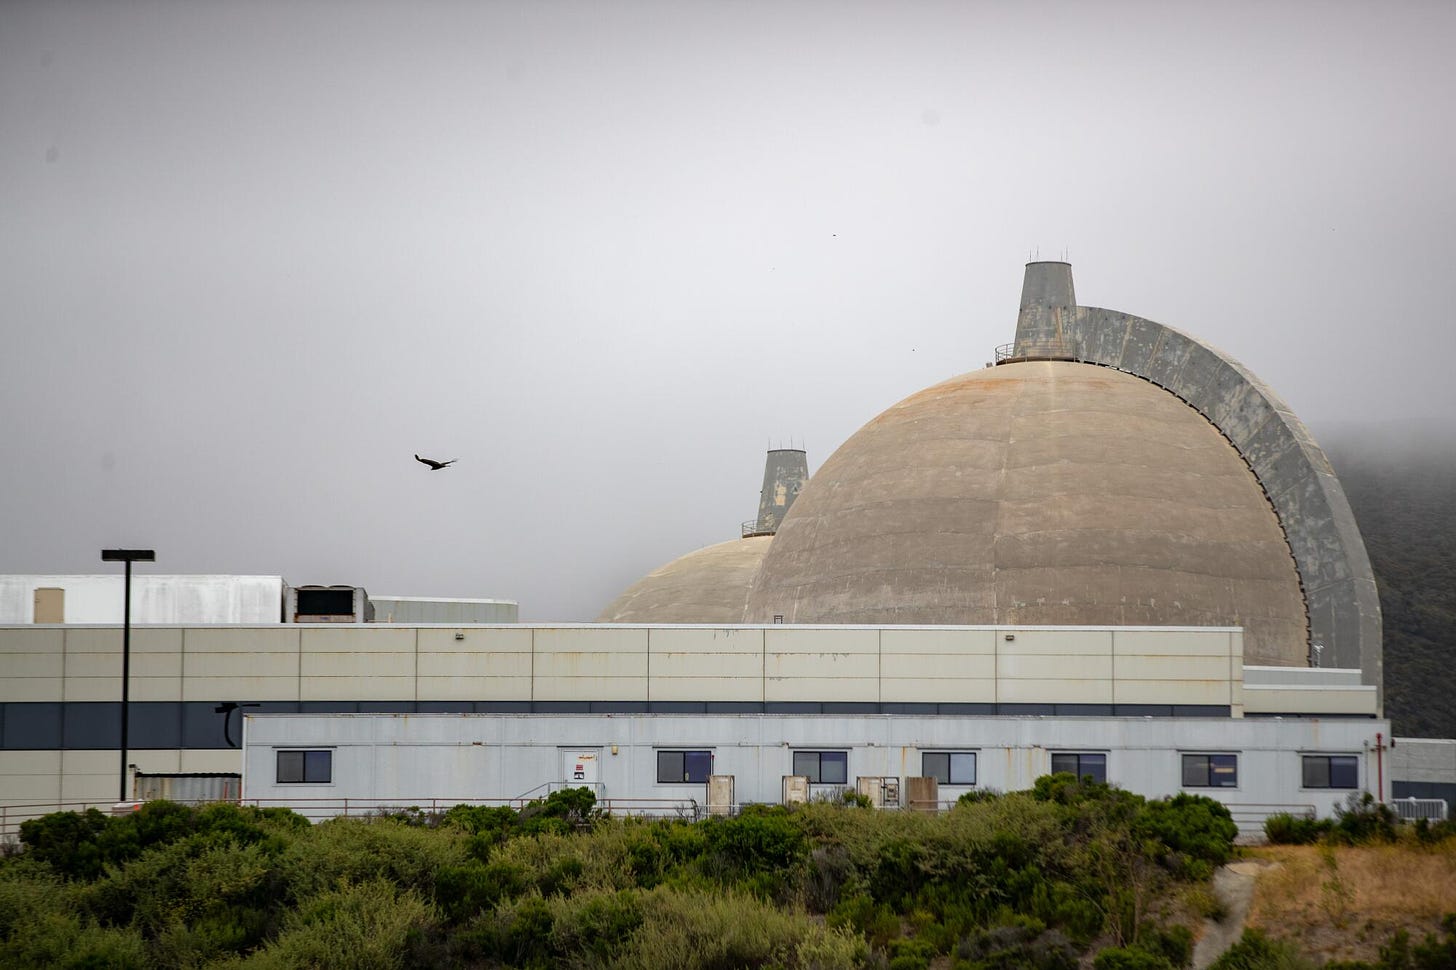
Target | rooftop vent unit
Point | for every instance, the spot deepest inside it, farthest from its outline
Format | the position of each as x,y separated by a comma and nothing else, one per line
328,604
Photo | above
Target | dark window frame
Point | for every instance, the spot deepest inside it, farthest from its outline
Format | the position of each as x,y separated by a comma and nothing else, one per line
1086,760
689,762
1348,762
822,757
301,766
950,775
1219,769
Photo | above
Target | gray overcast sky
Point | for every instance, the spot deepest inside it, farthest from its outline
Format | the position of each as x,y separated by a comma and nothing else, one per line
254,255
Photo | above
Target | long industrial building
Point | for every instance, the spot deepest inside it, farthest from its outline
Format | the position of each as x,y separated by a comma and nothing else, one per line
1112,550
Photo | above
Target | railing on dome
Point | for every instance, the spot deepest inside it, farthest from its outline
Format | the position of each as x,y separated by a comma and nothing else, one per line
751,529
1063,350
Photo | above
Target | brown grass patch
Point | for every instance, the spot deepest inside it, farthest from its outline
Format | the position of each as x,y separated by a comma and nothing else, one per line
1345,902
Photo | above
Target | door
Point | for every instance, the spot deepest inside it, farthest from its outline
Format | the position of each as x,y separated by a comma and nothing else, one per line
581,767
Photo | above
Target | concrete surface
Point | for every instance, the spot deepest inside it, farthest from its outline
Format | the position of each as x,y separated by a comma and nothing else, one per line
1041,492
1334,570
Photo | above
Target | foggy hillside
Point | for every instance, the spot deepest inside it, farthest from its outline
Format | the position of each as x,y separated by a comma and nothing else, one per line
1404,497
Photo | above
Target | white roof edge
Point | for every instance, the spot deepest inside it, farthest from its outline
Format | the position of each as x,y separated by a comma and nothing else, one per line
699,626
441,599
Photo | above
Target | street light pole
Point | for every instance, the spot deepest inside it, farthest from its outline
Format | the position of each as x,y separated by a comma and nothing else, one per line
127,556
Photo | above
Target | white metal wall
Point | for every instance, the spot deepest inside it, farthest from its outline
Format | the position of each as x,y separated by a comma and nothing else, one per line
154,598
493,756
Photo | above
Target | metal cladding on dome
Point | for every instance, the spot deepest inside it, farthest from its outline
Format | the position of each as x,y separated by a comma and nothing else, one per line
710,585
1043,492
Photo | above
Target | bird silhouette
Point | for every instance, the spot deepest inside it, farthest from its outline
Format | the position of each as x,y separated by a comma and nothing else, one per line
435,465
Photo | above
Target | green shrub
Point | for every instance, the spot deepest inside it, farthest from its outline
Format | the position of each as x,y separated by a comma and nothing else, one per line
465,890
1174,943
875,921
901,871
829,874
594,928
761,840
203,898
1192,825
725,931
352,850
1255,951
487,825
1283,828
363,926
68,841
1362,820
561,812
516,934
1022,945
1130,958
911,954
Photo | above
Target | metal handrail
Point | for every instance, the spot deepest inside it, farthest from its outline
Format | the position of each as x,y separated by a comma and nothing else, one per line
1004,352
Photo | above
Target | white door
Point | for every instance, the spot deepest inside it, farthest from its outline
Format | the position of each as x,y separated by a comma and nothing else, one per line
581,767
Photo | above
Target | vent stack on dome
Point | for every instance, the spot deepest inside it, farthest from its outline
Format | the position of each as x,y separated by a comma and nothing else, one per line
711,585
1047,305
784,473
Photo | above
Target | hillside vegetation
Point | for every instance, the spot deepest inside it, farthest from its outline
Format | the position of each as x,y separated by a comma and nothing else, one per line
1404,499
1038,879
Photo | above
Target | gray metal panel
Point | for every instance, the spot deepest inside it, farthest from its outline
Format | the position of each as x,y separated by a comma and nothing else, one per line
1324,538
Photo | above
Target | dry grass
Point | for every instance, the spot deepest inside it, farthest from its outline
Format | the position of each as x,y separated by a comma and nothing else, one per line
1344,903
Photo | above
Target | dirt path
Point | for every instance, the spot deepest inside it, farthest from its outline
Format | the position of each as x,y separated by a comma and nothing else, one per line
1234,886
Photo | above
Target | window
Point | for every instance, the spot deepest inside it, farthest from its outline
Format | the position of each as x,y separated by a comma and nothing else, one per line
305,767
677,767
1081,764
1210,771
950,767
1331,771
823,767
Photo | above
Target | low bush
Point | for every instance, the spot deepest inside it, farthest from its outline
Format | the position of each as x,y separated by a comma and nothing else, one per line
1362,820
1023,945
1255,951
1283,828
1192,826
762,841
69,841
466,890
361,926
352,850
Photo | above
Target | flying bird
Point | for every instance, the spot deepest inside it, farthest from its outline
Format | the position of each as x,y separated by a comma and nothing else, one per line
435,465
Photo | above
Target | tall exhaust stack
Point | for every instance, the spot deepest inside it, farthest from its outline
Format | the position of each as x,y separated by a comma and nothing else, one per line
784,474
1047,305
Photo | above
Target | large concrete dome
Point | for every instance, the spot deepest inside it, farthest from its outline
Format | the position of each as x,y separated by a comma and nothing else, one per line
707,586
1038,492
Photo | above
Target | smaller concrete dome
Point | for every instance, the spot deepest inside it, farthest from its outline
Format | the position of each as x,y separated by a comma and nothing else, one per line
710,585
